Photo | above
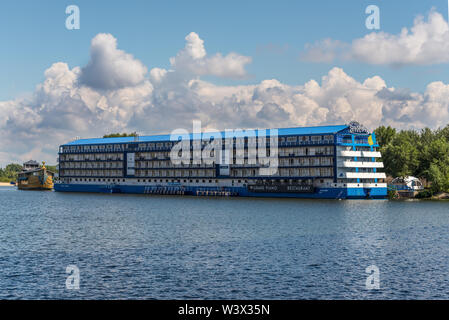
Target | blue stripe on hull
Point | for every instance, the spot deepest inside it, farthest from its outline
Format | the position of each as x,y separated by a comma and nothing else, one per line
320,193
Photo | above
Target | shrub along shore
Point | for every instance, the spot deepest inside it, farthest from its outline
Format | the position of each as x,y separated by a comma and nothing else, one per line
420,153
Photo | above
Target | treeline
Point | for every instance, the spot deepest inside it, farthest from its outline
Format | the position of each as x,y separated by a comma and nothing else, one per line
10,172
120,135
423,154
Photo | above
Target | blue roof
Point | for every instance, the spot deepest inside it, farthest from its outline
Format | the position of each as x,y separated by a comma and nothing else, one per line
311,130
166,137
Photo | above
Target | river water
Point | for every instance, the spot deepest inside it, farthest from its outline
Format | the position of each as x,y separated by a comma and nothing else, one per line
168,247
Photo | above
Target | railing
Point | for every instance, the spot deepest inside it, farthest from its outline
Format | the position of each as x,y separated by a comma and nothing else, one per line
347,153
371,154
168,148
360,164
365,175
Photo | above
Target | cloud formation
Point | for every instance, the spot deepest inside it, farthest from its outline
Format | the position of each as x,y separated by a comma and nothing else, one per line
326,51
111,68
193,60
426,43
123,96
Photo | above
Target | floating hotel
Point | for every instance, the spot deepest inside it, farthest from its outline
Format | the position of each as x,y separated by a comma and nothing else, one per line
332,162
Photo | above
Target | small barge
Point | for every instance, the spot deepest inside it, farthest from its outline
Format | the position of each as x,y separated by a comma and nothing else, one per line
35,177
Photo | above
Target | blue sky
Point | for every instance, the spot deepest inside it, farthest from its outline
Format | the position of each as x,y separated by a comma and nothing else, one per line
273,33
152,67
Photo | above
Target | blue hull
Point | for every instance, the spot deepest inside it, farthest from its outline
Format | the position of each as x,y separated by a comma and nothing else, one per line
320,193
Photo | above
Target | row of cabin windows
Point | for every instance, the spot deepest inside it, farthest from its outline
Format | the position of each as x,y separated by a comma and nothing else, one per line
306,138
357,139
269,181
93,157
114,147
196,154
149,180
197,181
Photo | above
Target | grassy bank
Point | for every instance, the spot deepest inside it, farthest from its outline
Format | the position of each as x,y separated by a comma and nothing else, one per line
426,194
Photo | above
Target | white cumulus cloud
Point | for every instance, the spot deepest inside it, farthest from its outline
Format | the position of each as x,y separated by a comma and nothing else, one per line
426,43
65,106
194,60
109,67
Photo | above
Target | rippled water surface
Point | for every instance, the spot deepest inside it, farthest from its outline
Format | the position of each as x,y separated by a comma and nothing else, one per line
165,247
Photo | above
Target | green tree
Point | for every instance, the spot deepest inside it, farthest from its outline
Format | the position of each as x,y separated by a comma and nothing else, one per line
384,135
13,168
400,156
421,154
435,163
10,172
51,168
443,133
439,175
120,135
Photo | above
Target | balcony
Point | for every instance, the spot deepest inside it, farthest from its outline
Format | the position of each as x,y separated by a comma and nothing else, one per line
360,164
345,153
366,185
365,175
372,154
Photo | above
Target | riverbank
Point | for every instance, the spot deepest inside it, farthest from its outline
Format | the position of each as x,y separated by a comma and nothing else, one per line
423,195
440,196
5,184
